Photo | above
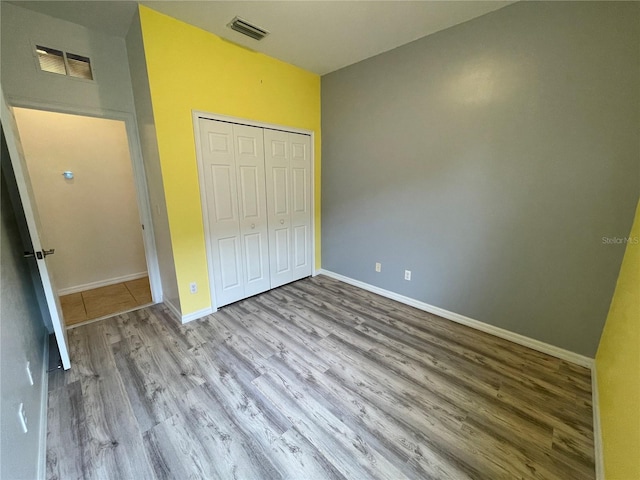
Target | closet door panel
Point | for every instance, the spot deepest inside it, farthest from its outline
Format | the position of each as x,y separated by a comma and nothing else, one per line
282,250
223,193
249,192
255,249
249,154
280,192
229,261
218,157
300,251
301,256
299,192
278,180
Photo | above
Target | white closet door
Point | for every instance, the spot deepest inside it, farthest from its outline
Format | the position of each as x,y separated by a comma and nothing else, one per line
277,163
288,165
218,159
252,208
258,195
301,255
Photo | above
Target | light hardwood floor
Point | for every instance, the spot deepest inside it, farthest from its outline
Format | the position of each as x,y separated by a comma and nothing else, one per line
313,380
105,301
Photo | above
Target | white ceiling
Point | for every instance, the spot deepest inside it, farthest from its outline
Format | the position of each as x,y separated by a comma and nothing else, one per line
320,36
112,17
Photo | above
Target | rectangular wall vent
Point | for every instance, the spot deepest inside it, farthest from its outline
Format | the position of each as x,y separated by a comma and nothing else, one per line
64,63
51,60
244,27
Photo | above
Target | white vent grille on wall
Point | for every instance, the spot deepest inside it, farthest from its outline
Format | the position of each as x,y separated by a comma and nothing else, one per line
242,26
63,63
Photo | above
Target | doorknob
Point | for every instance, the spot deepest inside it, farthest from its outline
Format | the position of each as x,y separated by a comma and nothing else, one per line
281,222
253,225
39,255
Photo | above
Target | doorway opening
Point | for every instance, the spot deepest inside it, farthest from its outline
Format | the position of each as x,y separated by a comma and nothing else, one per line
82,178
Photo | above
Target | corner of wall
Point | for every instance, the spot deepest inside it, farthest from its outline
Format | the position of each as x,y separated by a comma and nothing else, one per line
617,382
153,169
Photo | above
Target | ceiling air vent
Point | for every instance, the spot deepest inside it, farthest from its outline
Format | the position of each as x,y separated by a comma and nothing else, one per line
244,27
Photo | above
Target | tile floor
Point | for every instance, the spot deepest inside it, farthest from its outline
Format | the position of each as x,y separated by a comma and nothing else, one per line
105,301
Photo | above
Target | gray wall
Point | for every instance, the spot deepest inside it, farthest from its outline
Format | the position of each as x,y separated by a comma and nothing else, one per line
112,91
22,340
490,159
149,146
22,79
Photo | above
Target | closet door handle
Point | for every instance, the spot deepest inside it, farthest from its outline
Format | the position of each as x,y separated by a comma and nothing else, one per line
281,222
253,225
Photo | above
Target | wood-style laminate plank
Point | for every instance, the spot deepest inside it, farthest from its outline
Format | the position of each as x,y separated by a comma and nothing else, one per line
373,424
349,453
316,380
477,346
144,382
66,418
476,341
529,388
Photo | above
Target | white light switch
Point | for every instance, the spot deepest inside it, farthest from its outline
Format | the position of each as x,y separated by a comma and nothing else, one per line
22,415
29,375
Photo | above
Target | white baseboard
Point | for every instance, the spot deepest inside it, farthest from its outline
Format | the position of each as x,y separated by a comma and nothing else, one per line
173,309
469,322
190,317
597,426
44,408
101,283
196,315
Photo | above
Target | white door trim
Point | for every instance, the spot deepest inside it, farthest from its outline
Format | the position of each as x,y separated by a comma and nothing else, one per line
197,114
139,176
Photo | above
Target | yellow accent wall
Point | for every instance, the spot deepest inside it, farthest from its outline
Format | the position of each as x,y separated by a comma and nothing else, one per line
190,69
618,369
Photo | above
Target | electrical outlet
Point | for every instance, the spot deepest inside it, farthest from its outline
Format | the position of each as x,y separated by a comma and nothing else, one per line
29,375
407,274
378,267
22,415
193,287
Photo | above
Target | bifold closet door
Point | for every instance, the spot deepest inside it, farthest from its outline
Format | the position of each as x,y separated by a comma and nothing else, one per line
233,161
288,175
